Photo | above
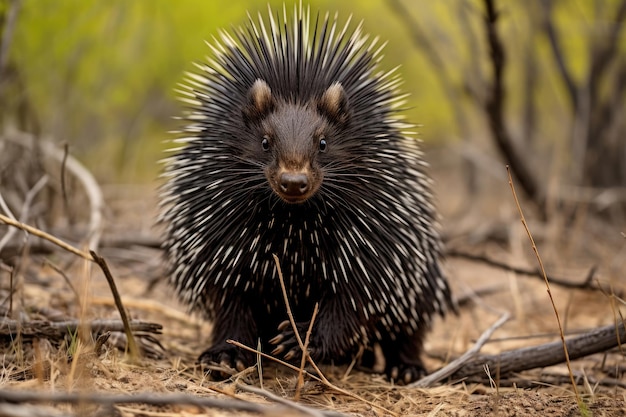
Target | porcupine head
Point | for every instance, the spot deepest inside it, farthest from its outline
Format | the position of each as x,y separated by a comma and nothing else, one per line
294,148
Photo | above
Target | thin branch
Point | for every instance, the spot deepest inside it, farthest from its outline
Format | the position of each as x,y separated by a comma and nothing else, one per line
291,404
557,52
604,53
92,189
30,196
494,107
587,283
132,345
7,33
458,363
39,233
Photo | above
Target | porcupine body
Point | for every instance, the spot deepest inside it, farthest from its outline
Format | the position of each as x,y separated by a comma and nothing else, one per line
294,148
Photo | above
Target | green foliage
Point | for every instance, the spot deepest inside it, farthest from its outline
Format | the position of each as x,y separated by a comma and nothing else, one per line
101,75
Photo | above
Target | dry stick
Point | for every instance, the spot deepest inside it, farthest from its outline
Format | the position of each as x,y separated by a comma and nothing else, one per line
82,174
40,233
25,208
293,322
545,278
7,33
305,352
597,340
291,404
32,396
132,346
587,283
320,378
59,271
92,256
454,366
286,299
66,203
57,329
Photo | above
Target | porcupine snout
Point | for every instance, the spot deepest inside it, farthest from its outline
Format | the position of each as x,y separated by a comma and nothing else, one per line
294,184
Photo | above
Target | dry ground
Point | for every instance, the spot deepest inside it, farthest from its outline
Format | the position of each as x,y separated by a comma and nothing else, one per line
488,226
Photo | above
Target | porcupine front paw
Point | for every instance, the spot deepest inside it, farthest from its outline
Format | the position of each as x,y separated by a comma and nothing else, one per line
287,345
223,360
405,373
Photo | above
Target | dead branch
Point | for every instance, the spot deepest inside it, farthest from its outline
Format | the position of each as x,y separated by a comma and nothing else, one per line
155,399
291,404
7,33
82,174
25,208
598,340
589,283
557,52
494,107
56,330
132,346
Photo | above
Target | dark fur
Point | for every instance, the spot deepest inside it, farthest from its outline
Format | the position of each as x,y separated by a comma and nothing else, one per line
296,160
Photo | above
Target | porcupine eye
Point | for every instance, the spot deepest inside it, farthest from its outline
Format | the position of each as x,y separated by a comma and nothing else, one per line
323,144
265,143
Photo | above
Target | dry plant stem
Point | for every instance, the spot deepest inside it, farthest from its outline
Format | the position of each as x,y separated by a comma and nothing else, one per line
545,278
293,322
305,353
286,298
320,378
132,346
291,404
454,366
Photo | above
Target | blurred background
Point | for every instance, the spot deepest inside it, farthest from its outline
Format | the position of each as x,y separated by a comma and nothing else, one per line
539,85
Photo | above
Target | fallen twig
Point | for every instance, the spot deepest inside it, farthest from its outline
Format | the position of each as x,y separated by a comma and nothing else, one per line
159,398
58,329
547,354
458,363
291,404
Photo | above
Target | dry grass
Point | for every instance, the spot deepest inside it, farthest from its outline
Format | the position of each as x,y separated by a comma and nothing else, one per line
73,366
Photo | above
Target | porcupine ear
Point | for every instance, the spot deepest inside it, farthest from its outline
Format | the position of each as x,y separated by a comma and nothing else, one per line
334,104
259,102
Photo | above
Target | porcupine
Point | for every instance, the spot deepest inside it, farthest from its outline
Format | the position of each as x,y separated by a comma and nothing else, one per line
295,147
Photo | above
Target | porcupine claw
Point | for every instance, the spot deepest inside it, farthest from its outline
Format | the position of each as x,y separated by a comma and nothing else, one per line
223,360
286,341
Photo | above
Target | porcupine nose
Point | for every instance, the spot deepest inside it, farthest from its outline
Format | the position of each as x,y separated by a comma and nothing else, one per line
294,184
